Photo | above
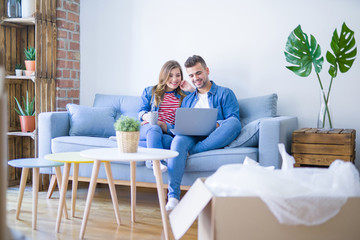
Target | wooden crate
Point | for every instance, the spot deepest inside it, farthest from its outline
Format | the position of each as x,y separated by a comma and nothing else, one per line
318,147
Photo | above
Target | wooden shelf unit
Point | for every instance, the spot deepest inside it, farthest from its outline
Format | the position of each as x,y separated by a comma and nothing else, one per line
17,21
16,34
21,77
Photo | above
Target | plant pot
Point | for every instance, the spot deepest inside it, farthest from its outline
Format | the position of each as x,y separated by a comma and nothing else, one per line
18,72
128,141
29,73
27,123
28,8
30,65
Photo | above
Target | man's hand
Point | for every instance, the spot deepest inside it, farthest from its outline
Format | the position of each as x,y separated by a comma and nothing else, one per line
186,86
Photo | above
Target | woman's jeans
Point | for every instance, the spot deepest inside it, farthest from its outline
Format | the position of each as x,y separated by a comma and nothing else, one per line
154,136
222,136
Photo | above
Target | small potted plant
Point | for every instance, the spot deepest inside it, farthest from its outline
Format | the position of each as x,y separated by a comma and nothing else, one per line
26,114
127,134
18,69
30,61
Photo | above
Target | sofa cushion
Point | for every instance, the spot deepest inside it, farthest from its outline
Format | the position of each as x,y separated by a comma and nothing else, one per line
91,121
213,159
248,137
257,107
127,105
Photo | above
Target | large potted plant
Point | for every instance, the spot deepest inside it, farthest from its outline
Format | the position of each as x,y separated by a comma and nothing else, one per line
127,134
304,53
30,61
26,114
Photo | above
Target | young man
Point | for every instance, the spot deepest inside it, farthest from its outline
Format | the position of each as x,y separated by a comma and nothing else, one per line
228,126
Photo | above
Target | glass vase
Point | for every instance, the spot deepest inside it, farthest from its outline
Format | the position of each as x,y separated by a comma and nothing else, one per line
325,113
13,9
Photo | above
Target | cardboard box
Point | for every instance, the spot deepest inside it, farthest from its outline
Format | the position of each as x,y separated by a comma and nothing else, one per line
249,218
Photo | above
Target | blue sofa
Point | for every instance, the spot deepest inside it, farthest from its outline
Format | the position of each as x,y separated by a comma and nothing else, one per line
83,127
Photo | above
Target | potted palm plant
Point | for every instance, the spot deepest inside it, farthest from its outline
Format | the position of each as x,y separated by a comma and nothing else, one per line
30,61
127,134
304,53
26,113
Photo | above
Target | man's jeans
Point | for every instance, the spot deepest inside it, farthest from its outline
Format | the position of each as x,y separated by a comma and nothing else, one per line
222,136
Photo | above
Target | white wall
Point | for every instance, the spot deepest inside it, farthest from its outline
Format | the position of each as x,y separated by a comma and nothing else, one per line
124,44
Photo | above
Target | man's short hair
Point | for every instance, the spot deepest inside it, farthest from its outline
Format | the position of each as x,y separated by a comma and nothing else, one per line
193,60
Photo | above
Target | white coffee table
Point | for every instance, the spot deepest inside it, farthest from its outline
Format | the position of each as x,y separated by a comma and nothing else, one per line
108,155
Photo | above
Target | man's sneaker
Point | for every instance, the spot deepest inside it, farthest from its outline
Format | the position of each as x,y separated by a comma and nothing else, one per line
149,164
171,204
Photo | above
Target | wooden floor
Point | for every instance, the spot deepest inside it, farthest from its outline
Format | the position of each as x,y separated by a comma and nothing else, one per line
101,223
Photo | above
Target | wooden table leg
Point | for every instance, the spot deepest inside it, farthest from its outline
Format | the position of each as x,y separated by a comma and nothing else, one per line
74,188
112,191
159,185
133,189
92,186
52,186
35,196
24,174
59,181
62,195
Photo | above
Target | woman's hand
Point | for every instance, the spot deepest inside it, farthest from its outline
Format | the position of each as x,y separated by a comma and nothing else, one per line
186,86
145,117
163,126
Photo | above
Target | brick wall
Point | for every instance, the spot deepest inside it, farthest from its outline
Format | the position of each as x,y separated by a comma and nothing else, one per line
68,53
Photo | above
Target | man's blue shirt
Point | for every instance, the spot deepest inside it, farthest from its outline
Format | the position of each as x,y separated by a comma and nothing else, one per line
219,97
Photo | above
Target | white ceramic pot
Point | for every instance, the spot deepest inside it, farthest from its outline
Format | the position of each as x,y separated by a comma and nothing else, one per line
28,8
18,72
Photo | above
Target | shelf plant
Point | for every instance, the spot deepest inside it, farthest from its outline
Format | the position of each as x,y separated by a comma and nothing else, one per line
19,66
30,55
127,134
304,53
26,113
18,69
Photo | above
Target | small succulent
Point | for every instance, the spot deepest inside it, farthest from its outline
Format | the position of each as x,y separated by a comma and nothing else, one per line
28,109
29,53
19,66
127,124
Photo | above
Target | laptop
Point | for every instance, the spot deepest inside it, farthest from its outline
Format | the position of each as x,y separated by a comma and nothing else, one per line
195,121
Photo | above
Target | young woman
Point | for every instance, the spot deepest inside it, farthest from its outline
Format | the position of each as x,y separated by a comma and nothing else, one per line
163,98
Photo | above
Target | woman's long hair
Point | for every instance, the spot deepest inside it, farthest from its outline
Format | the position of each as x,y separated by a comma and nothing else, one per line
159,89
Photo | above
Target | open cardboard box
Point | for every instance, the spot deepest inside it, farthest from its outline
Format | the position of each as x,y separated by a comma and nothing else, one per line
249,218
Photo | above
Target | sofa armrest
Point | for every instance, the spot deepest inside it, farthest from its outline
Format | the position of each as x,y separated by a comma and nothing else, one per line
273,131
51,125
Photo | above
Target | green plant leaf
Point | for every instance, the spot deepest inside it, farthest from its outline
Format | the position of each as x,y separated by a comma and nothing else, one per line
30,53
19,66
20,111
127,124
302,53
28,107
344,51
